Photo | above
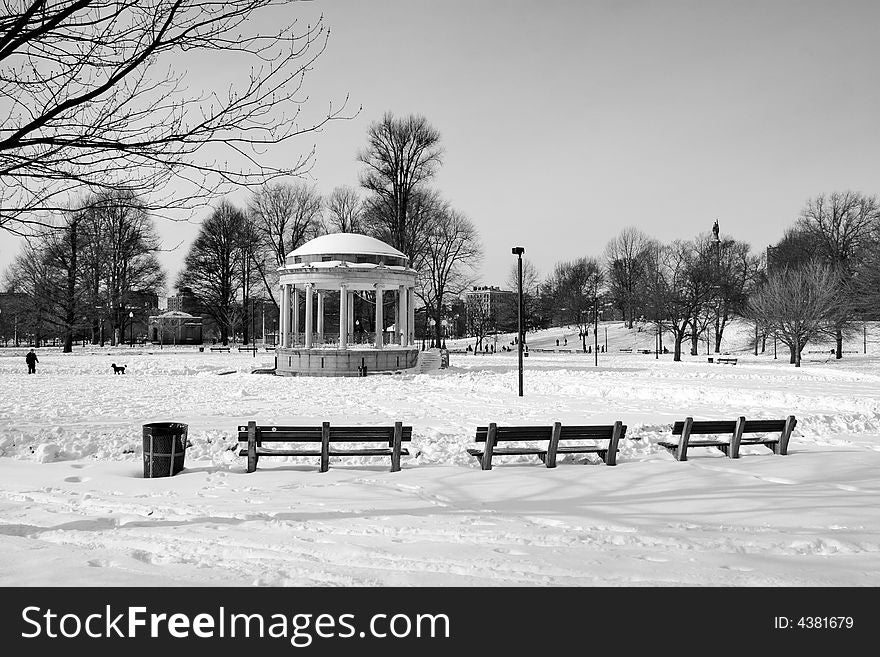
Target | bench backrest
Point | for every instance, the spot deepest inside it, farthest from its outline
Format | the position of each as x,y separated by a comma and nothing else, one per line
524,433
339,434
729,426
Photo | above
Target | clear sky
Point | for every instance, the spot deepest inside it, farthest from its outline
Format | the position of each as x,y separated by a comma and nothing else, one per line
565,121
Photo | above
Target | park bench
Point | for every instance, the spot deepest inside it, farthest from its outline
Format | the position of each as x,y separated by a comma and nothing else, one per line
627,350
726,361
736,429
554,435
325,438
646,351
219,348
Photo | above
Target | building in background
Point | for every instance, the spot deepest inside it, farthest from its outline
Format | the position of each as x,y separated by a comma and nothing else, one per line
184,301
490,310
175,327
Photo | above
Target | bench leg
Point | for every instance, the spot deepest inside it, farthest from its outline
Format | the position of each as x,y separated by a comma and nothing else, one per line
550,460
610,456
252,447
486,461
681,452
781,448
735,441
395,446
325,446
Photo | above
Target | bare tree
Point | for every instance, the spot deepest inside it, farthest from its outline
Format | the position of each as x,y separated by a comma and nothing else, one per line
576,287
401,156
97,99
129,247
284,216
736,278
452,255
212,268
531,284
624,264
481,318
679,284
31,274
841,225
344,211
795,303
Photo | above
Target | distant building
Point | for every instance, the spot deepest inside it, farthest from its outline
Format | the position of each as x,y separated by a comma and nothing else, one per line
174,327
490,310
184,302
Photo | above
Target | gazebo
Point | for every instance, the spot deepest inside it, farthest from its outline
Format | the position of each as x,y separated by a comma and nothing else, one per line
332,270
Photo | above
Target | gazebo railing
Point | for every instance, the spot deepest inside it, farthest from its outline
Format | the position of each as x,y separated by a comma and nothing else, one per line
360,338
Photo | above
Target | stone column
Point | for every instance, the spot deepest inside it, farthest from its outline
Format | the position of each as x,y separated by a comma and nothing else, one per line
343,320
350,312
397,315
411,318
404,315
380,342
321,316
295,308
284,315
309,314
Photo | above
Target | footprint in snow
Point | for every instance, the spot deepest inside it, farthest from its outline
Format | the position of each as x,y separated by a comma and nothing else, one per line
76,480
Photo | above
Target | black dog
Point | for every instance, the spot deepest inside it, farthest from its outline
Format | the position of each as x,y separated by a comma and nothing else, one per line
118,369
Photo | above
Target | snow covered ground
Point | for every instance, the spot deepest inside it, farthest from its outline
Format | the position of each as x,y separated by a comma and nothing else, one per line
76,510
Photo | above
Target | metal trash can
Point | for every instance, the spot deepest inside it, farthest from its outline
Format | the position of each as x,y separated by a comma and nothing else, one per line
165,446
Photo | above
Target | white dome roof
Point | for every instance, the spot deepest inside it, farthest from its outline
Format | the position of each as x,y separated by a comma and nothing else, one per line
346,243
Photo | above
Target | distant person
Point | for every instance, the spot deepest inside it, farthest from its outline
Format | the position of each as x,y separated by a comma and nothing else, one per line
31,360
557,342
565,341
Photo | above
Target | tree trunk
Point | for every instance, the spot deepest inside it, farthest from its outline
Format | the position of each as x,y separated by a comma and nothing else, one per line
838,335
679,338
70,300
694,338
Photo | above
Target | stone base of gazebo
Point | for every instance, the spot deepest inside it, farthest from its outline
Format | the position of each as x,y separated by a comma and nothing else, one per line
298,361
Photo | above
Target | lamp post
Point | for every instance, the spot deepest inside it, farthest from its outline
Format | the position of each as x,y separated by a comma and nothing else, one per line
253,330
596,330
130,328
518,251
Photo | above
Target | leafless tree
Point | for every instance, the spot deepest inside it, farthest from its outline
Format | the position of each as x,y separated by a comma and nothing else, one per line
31,274
841,225
97,99
530,284
624,264
481,318
212,267
129,246
736,277
452,255
401,156
796,302
576,286
344,211
284,216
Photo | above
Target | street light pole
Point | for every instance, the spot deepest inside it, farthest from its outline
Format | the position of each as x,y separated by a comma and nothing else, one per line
518,251
130,328
253,330
596,330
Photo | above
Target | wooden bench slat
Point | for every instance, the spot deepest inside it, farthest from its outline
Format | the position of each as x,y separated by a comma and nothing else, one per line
762,426
706,426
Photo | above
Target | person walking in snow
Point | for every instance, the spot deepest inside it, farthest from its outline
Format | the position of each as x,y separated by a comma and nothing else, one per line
31,360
